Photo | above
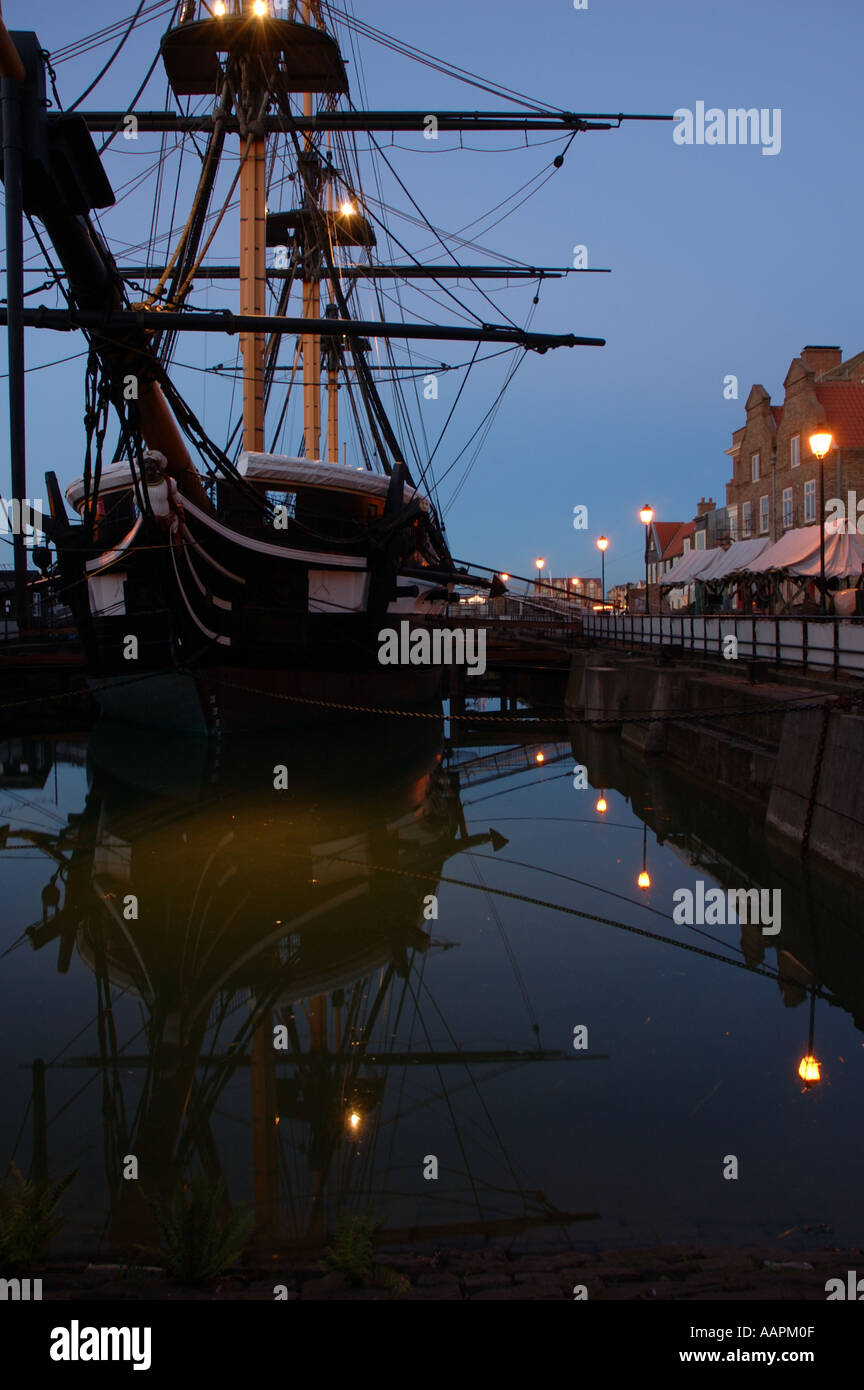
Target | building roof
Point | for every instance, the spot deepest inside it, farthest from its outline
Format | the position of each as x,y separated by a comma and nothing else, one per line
844,407
662,533
676,544
850,370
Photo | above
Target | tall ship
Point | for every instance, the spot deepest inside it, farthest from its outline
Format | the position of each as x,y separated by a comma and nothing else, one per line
232,586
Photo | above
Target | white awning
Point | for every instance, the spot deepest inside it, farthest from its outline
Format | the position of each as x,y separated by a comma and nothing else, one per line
687,569
738,558
797,553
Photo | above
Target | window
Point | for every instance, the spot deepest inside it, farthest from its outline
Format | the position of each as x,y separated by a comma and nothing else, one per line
763,513
745,519
795,451
732,513
700,540
754,468
810,501
686,544
787,508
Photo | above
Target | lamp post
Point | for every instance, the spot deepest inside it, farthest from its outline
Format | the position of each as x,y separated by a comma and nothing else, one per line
602,546
646,516
539,564
820,445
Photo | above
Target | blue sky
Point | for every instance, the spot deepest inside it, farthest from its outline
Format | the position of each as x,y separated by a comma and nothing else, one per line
724,260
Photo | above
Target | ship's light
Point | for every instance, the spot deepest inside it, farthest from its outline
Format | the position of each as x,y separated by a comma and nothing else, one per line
347,208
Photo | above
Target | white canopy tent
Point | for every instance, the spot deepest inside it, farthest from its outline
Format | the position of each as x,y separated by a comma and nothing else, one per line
706,565
687,569
797,553
737,559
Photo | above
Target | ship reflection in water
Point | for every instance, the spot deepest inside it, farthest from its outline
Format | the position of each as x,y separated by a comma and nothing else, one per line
312,967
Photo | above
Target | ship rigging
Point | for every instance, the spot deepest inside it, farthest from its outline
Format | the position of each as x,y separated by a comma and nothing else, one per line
177,560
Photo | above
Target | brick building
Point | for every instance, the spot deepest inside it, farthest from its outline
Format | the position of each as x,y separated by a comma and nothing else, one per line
775,477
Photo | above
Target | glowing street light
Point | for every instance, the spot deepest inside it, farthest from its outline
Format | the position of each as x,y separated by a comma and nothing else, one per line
820,444
602,546
644,879
505,578
646,516
601,805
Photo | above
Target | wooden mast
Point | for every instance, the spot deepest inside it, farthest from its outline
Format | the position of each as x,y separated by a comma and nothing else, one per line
253,262
311,342
253,286
332,360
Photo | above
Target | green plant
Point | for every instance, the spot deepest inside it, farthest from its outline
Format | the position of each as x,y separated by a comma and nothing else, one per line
29,1218
351,1251
200,1236
351,1255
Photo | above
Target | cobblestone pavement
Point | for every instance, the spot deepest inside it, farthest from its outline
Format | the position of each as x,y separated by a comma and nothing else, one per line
493,1275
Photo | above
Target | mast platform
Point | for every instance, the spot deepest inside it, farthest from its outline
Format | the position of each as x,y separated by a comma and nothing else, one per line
309,59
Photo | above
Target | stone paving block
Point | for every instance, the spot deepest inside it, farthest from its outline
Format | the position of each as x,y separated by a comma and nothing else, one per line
481,1282
439,1293
523,1294
437,1279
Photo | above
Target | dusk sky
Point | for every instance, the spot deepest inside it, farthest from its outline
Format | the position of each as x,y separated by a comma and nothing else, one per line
725,259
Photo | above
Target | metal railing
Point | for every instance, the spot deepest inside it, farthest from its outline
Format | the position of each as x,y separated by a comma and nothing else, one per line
824,644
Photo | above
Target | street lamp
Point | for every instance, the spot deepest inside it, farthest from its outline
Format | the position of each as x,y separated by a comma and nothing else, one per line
820,445
602,546
646,516
539,564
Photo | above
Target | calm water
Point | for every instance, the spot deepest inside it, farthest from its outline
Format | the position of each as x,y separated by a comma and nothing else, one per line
311,908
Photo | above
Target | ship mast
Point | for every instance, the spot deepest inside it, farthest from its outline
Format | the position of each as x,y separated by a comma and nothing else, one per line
266,59
253,265
311,342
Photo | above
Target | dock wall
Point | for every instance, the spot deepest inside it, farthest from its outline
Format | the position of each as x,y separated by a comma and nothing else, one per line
795,769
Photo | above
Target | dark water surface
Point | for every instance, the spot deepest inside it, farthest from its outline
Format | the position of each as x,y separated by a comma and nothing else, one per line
312,908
